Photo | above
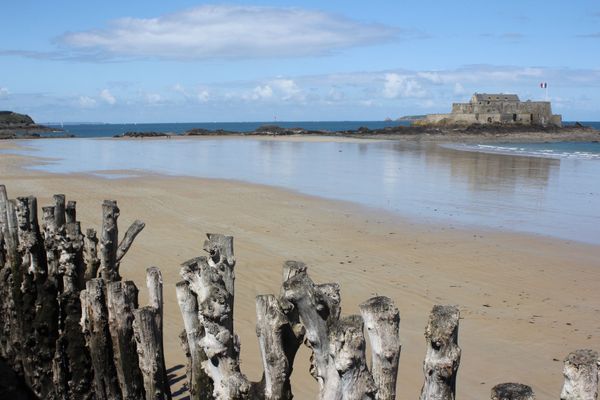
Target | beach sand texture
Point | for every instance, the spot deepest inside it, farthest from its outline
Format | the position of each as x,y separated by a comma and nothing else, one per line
526,301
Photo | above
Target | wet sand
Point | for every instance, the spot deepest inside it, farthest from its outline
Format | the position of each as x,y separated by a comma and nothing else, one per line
526,301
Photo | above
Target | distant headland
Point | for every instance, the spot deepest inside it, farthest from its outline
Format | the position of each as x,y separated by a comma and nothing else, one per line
21,126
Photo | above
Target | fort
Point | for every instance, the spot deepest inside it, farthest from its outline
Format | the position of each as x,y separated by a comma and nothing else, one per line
497,108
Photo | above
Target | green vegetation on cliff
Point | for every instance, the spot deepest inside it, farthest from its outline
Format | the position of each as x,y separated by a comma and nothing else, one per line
9,118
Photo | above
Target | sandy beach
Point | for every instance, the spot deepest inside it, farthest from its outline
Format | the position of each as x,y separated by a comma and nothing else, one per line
526,301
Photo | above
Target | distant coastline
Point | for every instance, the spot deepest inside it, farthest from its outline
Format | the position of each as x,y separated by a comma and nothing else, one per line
479,133
20,126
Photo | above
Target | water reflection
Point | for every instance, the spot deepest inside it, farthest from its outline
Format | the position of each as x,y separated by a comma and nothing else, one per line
542,195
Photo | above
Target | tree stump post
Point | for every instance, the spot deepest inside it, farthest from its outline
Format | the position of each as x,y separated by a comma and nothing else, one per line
94,321
382,320
581,369
122,300
109,242
512,391
212,281
318,308
443,354
347,351
278,346
90,254
147,337
199,383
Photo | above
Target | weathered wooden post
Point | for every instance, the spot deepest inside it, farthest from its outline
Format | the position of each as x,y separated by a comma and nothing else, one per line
581,369
90,254
199,383
317,310
151,358
443,354
122,300
347,351
512,391
94,321
382,320
109,270
212,282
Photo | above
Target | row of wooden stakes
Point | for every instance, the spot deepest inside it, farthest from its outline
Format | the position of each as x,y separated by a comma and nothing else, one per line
71,328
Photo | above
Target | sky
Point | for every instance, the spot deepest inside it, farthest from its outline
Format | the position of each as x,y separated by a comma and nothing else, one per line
193,61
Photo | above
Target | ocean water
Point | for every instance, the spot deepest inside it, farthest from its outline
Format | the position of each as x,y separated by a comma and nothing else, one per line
110,130
555,196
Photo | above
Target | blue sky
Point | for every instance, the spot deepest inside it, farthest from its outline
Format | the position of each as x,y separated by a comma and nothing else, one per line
192,61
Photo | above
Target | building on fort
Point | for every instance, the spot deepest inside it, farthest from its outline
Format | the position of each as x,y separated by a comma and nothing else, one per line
497,108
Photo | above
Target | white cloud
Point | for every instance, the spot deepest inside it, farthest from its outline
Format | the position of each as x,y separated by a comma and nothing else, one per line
153,98
459,89
86,102
203,96
288,89
107,97
4,92
401,86
180,89
261,92
228,32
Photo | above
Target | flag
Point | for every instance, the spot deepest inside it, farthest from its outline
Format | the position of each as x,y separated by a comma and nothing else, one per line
544,85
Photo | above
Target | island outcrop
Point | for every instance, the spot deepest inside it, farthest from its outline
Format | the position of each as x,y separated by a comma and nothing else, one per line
21,126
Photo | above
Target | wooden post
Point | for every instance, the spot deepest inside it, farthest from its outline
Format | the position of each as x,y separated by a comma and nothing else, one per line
512,391
72,364
581,370
278,347
147,337
318,309
94,321
443,354
199,383
90,254
121,299
59,210
212,281
109,241
8,219
71,212
348,377
382,320
154,283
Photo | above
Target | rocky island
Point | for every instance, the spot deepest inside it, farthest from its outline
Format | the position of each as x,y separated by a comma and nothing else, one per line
21,126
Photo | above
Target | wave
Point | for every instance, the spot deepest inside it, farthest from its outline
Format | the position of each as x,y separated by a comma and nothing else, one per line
558,150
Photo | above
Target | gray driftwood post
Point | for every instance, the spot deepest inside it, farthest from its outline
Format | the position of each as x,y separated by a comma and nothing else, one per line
147,337
581,376
347,352
382,320
199,383
512,391
443,354
122,300
212,282
317,310
109,269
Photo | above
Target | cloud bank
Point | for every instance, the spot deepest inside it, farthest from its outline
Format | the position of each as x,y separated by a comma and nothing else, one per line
227,32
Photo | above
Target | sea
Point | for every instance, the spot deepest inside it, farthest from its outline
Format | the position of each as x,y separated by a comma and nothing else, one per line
88,130
549,189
